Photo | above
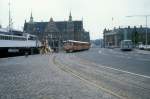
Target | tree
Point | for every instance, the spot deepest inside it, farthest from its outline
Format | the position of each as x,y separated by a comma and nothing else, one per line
135,37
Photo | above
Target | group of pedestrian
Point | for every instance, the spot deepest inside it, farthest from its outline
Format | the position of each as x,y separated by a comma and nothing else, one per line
45,50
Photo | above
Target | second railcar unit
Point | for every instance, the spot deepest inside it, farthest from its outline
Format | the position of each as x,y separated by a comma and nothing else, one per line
71,45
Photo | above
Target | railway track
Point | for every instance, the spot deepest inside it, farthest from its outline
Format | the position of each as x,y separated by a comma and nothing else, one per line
79,76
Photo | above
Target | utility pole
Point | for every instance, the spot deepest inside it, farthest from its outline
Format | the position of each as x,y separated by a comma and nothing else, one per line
9,24
10,19
112,23
146,32
146,16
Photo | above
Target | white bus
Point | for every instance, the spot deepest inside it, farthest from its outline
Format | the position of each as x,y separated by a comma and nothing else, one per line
126,45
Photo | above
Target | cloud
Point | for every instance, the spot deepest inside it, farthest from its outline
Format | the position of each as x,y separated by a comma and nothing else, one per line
97,14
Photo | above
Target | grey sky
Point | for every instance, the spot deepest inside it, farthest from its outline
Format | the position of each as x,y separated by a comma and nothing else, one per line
97,14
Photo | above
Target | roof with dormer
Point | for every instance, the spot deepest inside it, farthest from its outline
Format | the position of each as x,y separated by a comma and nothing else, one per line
61,26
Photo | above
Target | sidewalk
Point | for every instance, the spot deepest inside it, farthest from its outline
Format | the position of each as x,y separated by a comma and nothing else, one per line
142,51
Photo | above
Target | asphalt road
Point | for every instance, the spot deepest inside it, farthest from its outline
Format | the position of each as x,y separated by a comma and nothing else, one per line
130,61
93,74
113,77
37,77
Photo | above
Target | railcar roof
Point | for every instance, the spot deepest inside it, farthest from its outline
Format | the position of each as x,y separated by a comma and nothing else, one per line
75,41
12,35
126,40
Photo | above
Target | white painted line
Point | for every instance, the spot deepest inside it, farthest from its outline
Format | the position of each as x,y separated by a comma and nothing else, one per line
123,55
99,51
144,59
78,75
124,71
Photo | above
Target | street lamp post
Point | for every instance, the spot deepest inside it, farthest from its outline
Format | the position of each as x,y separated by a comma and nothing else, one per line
146,32
146,16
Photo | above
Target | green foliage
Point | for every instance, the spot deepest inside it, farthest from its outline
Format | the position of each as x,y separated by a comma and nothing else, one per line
135,37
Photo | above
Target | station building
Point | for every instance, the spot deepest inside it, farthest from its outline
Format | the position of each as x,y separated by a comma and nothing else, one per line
57,31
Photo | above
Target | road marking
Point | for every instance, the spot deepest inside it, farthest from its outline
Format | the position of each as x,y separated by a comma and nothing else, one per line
122,71
123,55
99,51
78,75
144,59
117,69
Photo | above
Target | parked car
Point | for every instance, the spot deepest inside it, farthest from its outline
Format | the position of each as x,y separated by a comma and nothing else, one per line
141,46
